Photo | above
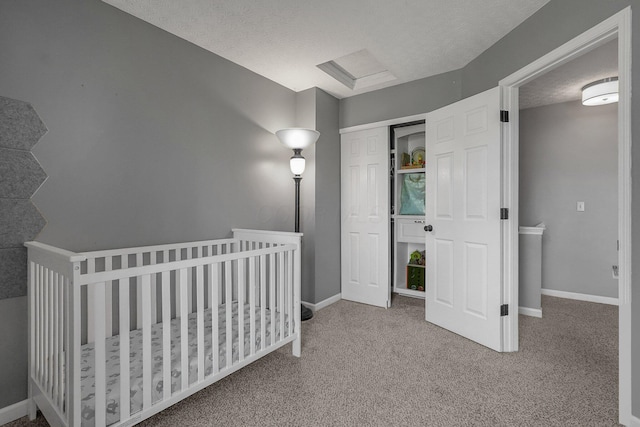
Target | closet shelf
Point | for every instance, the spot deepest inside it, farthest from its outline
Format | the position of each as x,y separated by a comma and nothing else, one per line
411,170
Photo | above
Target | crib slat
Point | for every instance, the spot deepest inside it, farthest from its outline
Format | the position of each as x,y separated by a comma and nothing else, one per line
49,331
263,303
41,312
153,260
124,328
51,334
139,262
190,282
91,268
36,322
43,321
240,265
61,335
200,319
100,357
289,291
166,333
147,358
184,326
45,329
215,308
56,337
252,305
281,280
165,259
108,266
272,297
220,250
228,303
73,356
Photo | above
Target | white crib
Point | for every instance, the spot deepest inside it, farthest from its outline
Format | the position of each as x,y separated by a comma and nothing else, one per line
108,330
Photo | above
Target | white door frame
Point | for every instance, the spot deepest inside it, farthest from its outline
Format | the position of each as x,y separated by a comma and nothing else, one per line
619,25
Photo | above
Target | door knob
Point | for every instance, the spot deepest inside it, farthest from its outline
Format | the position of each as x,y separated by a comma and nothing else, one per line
428,227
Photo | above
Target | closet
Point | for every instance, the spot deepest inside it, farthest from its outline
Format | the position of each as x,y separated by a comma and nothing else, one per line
407,160
459,221
383,208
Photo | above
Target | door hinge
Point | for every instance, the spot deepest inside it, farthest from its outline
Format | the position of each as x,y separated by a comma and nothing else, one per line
504,116
504,213
504,310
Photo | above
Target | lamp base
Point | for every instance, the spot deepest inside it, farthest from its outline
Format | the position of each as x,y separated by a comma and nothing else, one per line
305,313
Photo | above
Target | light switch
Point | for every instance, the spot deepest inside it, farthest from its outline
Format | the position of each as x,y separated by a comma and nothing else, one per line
580,207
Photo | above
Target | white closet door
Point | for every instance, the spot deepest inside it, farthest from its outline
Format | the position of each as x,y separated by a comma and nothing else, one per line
464,280
365,216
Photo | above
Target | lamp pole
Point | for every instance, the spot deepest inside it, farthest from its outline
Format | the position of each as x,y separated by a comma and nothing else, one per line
297,179
298,139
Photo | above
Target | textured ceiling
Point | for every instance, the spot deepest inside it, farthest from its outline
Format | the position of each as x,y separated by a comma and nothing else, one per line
565,83
284,40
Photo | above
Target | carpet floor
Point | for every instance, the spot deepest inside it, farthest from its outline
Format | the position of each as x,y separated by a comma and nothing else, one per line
363,365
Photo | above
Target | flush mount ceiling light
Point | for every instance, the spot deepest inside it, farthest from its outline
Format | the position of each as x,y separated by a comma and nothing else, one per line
600,92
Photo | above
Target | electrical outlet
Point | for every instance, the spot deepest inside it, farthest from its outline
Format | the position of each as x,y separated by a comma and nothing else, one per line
580,207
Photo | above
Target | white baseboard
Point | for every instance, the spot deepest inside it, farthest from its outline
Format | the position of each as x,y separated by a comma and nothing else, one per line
323,304
635,422
13,412
533,312
580,297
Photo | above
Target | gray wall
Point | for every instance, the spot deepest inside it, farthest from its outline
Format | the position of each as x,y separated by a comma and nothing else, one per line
306,118
553,25
320,217
568,153
13,351
420,96
327,214
151,139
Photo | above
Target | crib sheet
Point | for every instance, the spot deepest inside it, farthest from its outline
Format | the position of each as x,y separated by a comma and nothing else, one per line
113,360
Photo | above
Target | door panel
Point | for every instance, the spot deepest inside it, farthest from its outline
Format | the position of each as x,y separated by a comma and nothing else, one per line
464,282
365,216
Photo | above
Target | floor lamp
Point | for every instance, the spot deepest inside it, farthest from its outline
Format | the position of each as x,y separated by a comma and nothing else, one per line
298,139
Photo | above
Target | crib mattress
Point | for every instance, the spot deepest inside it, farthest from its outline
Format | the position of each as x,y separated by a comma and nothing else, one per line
135,339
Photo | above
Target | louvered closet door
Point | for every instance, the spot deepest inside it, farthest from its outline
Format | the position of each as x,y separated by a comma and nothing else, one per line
464,277
365,216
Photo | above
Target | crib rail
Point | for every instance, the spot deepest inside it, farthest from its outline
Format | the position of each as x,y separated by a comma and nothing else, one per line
150,290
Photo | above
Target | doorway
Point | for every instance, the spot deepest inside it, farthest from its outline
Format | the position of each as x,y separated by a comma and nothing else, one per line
618,26
568,184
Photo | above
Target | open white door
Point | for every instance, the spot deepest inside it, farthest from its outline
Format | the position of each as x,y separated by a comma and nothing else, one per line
463,249
365,216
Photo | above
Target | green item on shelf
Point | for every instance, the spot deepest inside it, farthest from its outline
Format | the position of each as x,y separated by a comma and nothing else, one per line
415,278
412,194
406,159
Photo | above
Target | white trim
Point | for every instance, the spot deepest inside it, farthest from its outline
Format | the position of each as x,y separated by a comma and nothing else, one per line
619,25
14,412
323,304
531,230
580,297
383,123
635,422
533,312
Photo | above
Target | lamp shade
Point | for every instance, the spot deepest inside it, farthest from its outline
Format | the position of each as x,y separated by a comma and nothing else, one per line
297,164
298,138
600,92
